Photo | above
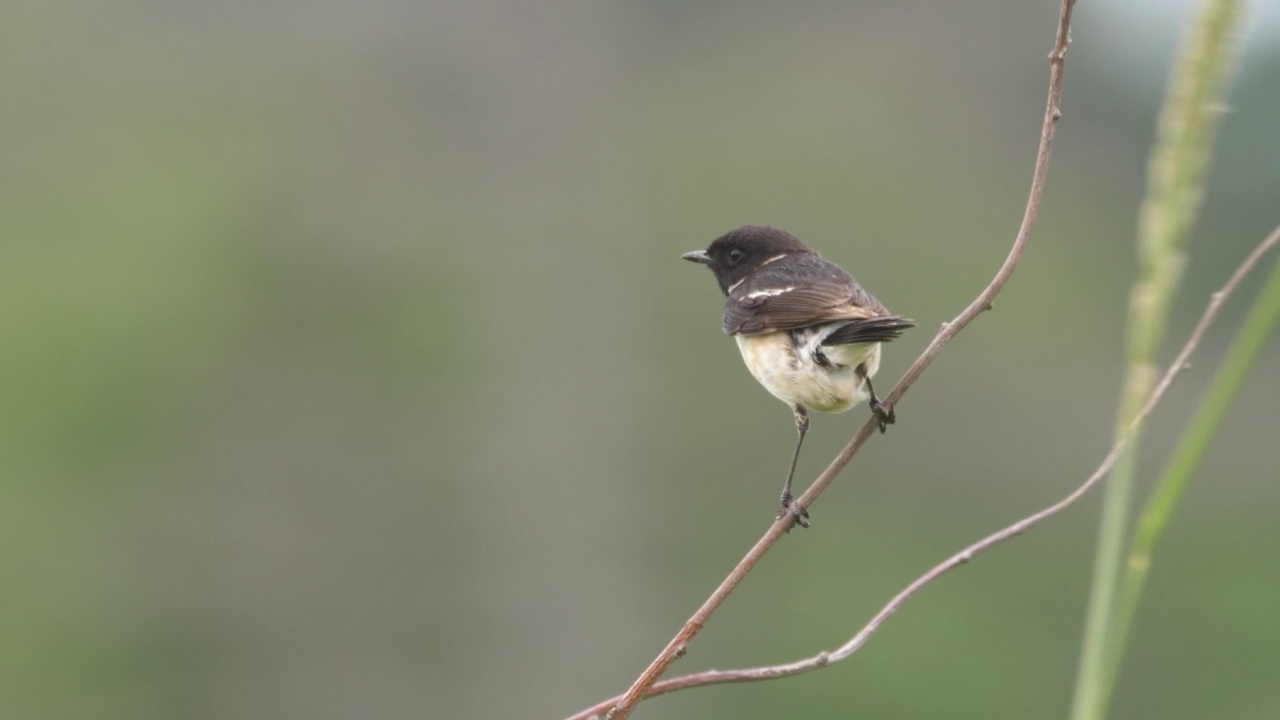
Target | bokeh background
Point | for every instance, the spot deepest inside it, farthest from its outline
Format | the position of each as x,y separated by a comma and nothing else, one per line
350,370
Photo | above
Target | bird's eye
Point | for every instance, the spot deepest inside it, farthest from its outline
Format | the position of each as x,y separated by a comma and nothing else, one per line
735,256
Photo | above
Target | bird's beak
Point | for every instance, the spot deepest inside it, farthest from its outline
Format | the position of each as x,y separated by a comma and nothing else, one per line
698,256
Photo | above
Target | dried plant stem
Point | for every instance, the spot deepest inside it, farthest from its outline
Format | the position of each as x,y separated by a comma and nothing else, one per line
679,644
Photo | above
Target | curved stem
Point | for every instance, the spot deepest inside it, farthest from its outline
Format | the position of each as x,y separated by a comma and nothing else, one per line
678,645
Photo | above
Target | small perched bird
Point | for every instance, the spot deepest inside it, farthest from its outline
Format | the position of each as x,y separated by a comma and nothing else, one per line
807,330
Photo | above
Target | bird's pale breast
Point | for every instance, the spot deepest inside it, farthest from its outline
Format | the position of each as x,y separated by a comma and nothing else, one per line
786,365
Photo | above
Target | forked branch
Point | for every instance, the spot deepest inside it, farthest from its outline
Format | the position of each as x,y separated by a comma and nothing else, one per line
825,658
678,645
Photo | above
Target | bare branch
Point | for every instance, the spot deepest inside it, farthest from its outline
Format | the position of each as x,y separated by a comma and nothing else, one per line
679,644
825,658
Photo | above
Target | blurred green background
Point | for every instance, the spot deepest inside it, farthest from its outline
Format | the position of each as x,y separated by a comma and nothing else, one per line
350,369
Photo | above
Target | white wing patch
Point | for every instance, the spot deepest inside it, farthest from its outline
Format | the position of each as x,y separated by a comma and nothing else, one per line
768,293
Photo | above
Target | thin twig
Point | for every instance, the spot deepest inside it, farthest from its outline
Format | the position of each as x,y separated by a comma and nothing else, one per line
822,659
679,644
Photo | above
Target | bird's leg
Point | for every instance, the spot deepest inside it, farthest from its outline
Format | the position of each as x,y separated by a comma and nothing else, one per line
789,503
883,413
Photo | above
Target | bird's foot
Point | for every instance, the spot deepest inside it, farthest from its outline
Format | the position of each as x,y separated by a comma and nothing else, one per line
884,414
789,505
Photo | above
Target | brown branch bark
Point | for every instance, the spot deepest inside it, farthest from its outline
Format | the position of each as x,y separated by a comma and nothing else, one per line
679,644
825,658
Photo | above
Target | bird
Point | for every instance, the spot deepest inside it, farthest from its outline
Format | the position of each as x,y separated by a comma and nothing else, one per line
807,331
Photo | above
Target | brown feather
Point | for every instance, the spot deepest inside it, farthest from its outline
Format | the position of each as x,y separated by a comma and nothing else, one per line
806,290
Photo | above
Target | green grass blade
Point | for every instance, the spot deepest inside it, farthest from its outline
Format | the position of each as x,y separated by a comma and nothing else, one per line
1175,187
1194,443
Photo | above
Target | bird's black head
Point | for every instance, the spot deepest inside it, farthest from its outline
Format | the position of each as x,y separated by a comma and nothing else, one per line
738,253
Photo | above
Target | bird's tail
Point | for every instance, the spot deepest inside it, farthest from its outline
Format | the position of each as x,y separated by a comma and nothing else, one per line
869,330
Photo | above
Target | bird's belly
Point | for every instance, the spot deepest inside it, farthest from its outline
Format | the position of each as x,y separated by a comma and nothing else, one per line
790,372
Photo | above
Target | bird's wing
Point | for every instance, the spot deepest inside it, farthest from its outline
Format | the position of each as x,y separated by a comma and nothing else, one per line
781,296
868,330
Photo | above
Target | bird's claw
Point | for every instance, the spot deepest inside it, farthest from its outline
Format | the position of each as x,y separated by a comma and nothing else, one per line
884,414
789,505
